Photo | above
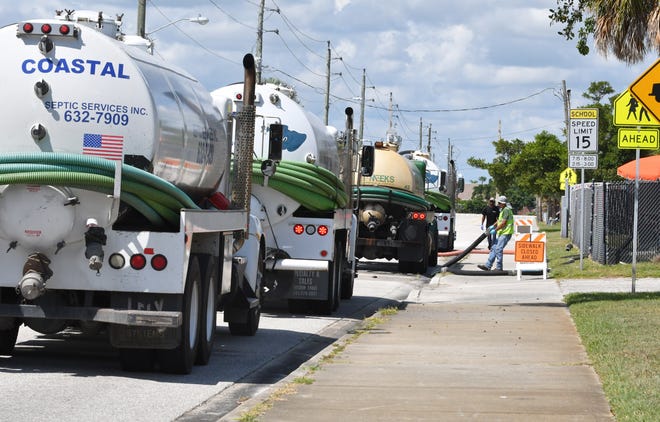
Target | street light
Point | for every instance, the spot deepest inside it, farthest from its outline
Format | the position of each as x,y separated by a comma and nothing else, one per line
202,20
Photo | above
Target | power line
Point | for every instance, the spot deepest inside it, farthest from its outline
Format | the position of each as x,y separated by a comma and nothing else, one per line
450,110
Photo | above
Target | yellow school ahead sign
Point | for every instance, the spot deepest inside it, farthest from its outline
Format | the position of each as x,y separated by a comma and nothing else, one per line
628,111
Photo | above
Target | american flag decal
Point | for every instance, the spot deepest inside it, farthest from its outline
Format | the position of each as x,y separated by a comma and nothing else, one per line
105,146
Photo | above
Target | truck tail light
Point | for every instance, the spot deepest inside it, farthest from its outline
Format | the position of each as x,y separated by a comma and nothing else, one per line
298,229
158,262
46,28
138,261
322,230
417,215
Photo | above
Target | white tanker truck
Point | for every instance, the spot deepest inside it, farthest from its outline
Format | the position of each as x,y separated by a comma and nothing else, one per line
114,185
304,202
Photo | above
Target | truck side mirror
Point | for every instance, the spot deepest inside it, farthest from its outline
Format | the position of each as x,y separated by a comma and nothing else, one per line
443,181
275,135
367,161
461,185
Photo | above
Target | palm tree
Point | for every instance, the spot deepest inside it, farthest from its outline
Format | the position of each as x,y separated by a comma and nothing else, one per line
627,28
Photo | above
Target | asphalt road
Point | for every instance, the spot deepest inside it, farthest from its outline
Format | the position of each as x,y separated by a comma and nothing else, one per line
71,377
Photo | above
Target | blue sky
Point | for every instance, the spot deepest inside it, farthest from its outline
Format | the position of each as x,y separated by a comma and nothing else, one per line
469,69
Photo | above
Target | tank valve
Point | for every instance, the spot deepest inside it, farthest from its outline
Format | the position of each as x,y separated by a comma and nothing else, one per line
38,132
95,239
41,88
36,272
46,45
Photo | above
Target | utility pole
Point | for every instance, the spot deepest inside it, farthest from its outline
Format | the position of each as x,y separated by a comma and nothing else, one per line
260,36
420,133
327,86
428,146
566,99
362,94
141,18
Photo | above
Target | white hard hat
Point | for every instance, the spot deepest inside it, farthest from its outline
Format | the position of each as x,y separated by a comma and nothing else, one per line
501,200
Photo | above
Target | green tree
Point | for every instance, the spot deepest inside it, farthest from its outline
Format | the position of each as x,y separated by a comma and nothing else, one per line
500,168
627,28
538,167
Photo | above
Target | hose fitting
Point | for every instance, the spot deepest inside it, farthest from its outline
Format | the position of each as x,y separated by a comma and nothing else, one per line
36,272
95,239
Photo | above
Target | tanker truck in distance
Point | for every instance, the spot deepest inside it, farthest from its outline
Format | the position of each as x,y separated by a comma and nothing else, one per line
110,163
303,200
441,190
396,220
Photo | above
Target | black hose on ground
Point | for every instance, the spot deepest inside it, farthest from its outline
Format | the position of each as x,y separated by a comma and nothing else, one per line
448,266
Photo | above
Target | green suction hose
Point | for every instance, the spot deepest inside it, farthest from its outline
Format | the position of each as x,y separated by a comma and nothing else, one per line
316,188
155,198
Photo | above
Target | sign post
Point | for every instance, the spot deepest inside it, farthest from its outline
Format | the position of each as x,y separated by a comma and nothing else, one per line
639,108
583,141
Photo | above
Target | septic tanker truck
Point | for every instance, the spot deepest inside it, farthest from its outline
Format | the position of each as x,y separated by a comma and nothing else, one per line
117,209
303,201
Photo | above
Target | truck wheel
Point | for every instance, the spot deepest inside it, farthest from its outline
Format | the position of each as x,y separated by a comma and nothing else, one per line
208,317
325,307
8,336
180,359
137,360
251,325
433,253
347,281
422,266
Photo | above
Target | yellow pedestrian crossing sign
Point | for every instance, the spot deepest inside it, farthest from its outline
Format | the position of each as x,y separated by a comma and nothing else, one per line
568,174
628,111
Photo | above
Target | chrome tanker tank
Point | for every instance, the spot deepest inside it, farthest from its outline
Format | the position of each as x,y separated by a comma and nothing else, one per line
307,145
392,170
72,84
304,137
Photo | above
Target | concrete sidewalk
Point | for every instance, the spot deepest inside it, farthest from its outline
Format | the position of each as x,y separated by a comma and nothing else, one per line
486,348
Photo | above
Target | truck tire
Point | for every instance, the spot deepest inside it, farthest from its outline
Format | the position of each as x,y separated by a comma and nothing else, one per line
208,316
8,337
433,253
180,359
137,360
331,303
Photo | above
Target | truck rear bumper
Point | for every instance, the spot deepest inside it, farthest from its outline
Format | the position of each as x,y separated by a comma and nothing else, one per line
133,318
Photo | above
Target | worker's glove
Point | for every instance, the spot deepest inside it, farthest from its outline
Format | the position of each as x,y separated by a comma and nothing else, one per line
492,230
482,227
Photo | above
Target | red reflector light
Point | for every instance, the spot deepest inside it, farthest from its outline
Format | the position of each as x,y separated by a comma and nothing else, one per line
422,216
28,27
415,216
239,96
64,29
324,253
445,218
138,261
298,229
148,251
322,230
46,28
158,262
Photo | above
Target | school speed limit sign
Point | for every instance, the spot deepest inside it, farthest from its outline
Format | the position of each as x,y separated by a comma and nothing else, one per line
583,135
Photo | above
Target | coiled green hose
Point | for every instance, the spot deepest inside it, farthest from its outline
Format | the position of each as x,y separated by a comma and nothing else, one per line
316,188
440,200
157,199
399,197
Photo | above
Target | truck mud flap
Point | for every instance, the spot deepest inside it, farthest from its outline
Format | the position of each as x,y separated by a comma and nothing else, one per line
132,336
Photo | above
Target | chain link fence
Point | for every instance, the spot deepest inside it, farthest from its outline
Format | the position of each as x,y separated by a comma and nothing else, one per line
609,221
